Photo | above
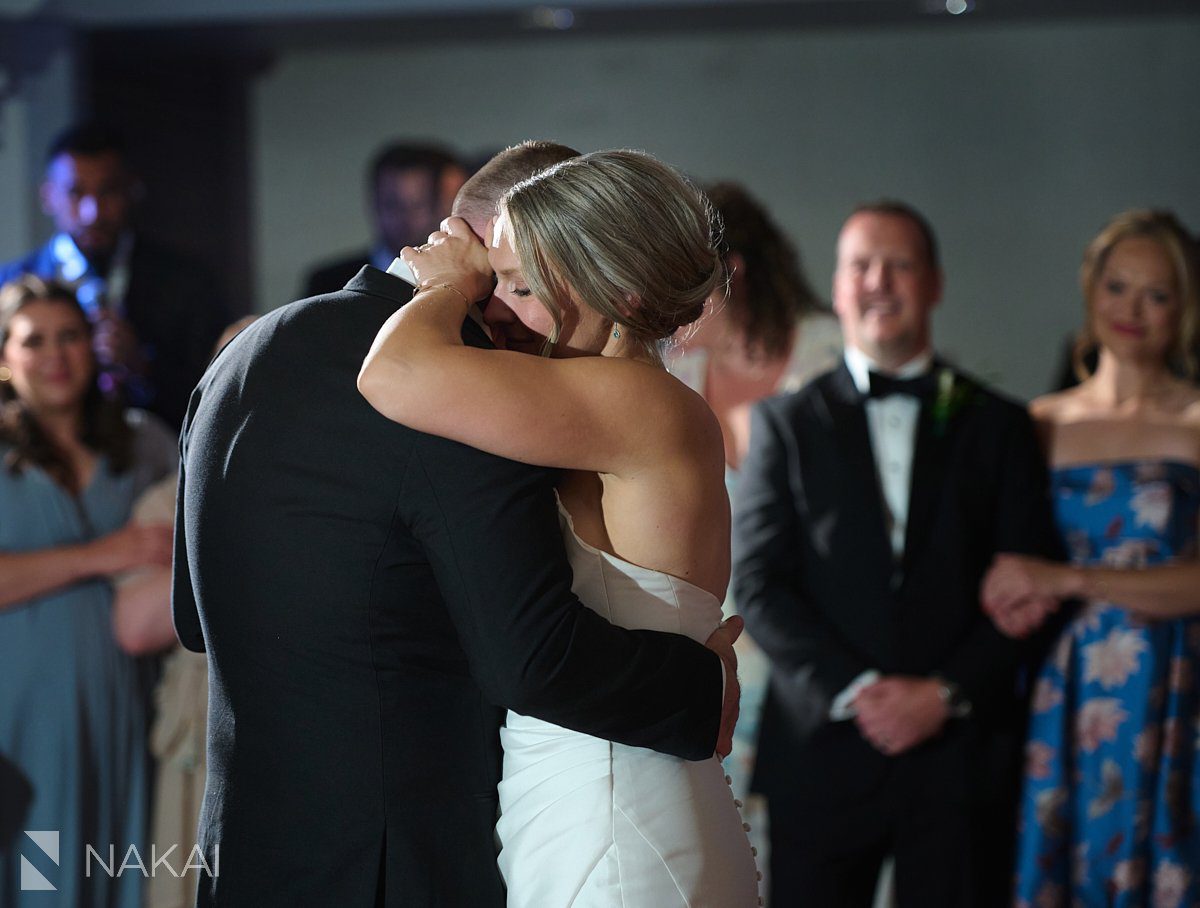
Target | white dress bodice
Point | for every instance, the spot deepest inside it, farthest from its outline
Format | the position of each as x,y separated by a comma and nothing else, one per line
635,597
589,823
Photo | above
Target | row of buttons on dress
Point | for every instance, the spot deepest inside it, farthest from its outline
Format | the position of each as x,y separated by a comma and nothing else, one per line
746,827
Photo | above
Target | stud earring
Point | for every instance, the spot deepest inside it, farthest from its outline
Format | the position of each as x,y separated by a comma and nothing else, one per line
5,373
616,332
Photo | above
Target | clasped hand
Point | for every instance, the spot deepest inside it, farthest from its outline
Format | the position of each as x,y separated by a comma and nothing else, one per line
455,256
1018,593
133,546
116,343
898,712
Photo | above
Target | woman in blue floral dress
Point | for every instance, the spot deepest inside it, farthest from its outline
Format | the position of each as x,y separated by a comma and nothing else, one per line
1112,783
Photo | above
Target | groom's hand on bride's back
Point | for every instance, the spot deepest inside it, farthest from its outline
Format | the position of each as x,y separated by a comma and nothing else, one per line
721,642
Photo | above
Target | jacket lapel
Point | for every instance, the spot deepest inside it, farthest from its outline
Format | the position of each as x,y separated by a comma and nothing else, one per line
861,499
928,474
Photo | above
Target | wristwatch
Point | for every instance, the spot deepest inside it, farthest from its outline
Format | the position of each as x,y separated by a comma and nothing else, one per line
957,706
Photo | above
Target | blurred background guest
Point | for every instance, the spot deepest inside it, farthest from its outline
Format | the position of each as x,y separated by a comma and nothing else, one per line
766,333
142,626
1081,355
769,333
71,719
1112,789
156,311
141,623
410,188
870,505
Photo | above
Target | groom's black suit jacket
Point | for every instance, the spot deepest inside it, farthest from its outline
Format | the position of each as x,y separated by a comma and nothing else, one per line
815,576
370,598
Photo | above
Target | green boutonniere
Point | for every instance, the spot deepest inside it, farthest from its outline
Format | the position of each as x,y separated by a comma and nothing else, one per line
952,396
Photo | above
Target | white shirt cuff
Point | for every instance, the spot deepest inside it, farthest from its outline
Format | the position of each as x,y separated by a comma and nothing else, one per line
843,704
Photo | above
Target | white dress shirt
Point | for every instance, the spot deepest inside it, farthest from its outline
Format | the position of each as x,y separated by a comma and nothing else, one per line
892,425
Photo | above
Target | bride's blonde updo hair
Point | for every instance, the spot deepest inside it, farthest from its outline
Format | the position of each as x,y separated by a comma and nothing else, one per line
622,233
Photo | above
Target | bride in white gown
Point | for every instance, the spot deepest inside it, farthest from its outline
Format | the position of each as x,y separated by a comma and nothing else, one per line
596,262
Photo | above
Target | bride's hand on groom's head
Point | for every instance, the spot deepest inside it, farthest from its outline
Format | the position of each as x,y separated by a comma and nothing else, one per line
721,642
453,255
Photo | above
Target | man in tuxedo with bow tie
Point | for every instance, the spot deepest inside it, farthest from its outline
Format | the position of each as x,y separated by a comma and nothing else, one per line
872,502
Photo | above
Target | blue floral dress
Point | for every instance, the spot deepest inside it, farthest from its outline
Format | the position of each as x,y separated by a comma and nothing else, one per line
1112,781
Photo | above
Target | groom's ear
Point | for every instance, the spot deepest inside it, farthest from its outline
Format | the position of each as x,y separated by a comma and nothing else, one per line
480,227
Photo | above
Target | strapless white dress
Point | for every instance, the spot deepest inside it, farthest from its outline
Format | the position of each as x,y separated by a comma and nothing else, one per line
592,824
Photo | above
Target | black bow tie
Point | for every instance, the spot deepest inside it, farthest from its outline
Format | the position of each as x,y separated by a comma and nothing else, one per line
921,387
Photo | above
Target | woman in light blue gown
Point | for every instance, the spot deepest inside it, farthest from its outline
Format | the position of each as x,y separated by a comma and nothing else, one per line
72,726
1111,799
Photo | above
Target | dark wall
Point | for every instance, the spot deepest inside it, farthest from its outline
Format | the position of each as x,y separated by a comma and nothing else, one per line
184,115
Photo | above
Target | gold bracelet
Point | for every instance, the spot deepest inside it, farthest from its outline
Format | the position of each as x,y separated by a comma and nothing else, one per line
423,288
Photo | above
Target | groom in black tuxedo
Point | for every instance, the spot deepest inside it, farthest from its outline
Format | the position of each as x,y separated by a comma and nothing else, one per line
872,502
371,599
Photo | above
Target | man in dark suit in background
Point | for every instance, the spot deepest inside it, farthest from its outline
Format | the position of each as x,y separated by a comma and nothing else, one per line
872,502
371,599
157,312
410,189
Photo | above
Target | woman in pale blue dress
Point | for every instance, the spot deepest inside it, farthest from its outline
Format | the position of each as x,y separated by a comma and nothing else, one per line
1111,799
72,726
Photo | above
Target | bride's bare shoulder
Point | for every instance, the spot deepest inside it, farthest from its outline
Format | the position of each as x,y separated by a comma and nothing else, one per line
669,423
693,421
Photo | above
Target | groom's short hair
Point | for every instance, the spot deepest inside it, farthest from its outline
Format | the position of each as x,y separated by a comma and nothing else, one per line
476,201
898,209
